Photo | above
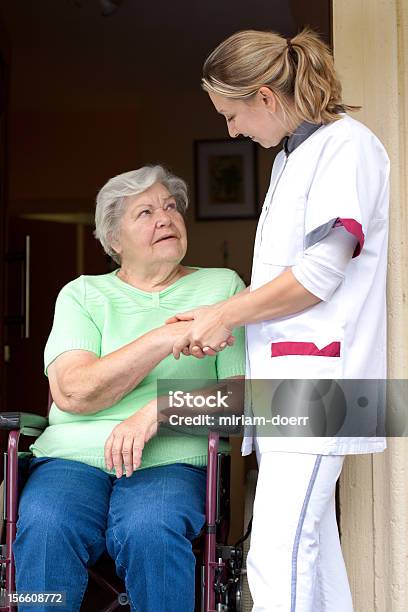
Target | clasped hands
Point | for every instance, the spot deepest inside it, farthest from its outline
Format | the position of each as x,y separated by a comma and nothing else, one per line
207,334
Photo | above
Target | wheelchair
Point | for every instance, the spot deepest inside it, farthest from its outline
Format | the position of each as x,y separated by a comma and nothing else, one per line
222,585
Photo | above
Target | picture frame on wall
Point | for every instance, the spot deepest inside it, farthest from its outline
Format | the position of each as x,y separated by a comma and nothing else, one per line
225,179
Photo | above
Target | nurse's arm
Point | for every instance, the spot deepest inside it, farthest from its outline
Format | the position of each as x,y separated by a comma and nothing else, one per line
280,297
189,314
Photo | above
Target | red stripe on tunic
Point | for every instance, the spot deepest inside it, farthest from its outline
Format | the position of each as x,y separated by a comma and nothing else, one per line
281,349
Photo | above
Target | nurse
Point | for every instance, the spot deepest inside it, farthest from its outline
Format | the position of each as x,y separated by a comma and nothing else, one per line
316,305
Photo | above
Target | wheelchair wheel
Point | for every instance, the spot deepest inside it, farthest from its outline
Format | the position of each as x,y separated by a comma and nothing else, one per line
246,602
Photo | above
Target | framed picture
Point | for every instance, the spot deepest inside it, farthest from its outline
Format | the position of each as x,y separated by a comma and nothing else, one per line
225,179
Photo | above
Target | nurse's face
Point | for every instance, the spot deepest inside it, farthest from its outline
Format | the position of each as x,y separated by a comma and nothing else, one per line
259,118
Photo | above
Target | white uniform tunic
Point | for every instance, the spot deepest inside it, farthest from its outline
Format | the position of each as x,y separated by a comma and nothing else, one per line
339,174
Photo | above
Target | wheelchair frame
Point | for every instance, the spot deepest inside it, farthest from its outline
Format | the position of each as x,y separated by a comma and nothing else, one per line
221,573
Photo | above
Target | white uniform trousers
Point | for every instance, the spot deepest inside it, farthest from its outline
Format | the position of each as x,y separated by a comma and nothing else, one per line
295,563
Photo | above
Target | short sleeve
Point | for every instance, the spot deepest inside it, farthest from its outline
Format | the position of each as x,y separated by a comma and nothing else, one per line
231,361
73,327
334,198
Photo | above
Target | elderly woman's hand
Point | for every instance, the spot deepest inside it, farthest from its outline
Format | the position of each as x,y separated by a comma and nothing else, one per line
207,334
126,442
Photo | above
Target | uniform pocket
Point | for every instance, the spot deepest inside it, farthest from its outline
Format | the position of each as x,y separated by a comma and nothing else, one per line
304,367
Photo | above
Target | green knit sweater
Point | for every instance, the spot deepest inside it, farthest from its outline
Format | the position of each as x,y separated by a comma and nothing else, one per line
102,313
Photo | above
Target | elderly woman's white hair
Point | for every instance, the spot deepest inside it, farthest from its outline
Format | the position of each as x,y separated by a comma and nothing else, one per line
111,200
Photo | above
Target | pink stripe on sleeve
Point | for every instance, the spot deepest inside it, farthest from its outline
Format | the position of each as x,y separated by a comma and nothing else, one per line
355,228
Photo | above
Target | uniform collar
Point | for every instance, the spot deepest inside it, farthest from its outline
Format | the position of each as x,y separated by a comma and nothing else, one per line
302,132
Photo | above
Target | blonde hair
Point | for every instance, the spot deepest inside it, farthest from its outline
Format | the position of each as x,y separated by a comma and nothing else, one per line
298,71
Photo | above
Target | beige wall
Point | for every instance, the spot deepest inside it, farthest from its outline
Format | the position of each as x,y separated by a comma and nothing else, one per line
371,49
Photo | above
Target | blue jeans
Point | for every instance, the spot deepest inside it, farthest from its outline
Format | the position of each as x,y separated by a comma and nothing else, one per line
70,513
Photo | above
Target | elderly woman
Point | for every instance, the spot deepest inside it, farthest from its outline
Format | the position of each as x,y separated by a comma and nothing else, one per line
107,349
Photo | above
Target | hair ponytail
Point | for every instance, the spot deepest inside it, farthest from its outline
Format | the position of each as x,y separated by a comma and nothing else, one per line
316,87
300,70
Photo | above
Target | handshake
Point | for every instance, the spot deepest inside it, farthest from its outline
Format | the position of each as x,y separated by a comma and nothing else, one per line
200,332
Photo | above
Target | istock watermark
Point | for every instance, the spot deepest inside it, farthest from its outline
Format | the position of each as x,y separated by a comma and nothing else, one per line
181,399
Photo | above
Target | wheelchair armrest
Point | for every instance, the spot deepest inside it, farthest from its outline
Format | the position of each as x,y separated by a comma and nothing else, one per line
27,422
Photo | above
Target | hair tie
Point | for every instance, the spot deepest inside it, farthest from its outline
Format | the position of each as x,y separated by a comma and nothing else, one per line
289,43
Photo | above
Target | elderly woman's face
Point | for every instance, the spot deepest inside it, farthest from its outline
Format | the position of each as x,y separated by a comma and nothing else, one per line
151,229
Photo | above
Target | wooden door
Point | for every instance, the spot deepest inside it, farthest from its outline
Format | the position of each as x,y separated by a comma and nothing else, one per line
40,259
